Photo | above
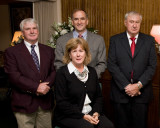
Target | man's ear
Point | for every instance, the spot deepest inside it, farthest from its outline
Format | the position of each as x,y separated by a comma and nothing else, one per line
87,21
72,22
22,33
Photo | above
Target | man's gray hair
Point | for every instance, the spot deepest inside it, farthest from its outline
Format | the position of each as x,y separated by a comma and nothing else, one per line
132,13
30,20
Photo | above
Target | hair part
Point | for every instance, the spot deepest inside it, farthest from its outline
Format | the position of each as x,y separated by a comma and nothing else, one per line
132,13
28,20
77,10
73,44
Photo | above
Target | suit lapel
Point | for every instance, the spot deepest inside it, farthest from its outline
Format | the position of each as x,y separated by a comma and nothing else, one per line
125,43
138,44
42,57
91,40
27,57
89,37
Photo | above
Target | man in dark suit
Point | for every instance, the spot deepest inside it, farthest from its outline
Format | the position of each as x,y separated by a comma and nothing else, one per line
96,43
132,65
30,67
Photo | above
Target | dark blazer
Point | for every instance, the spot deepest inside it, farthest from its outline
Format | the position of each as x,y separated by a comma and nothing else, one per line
70,94
25,78
121,64
97,49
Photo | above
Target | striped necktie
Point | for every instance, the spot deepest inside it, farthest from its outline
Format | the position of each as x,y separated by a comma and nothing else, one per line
80,36
35,57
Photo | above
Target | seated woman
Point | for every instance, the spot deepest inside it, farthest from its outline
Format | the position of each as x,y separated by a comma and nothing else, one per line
77,90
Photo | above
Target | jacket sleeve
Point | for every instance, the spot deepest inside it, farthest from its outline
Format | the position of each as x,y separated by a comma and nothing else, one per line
151,66
113,67
59,53
16,78
101,62
62,98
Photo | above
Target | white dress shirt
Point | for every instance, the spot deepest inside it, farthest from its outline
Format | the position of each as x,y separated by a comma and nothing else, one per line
130,41
36,48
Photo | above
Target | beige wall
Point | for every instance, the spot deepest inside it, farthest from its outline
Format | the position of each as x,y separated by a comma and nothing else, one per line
107,16
5,25
5,28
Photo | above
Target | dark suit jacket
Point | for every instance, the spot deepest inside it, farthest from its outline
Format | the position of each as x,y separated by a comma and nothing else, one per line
121,64
25,78
97,49
70,94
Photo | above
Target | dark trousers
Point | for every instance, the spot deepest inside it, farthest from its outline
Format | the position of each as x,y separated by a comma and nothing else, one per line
81,123
130,115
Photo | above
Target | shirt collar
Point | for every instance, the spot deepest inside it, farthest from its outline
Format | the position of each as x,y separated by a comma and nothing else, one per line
75,34
29,45
72,68
130,36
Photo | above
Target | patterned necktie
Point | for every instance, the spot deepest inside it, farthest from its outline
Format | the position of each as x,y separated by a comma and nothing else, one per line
133,45
80,36
35,57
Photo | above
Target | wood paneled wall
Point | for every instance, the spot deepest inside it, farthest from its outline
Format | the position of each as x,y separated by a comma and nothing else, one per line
107,16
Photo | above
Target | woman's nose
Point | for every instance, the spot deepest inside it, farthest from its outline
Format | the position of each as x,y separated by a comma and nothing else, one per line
78,54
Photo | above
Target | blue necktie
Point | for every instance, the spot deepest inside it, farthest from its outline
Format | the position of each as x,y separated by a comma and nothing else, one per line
35,57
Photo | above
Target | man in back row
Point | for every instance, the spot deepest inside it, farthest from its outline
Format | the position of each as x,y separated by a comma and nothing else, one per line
96,43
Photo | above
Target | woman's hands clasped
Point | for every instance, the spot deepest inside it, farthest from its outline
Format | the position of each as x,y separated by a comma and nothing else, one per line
92,119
